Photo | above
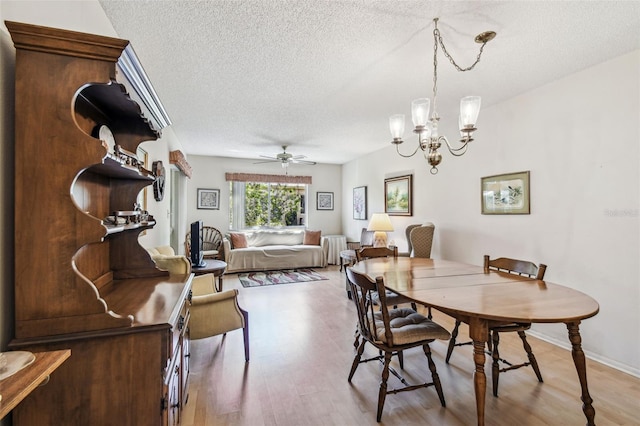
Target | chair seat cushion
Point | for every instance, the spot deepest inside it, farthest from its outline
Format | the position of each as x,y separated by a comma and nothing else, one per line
393,299
408,326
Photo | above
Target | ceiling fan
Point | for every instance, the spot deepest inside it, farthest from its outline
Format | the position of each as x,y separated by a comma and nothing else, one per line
285,158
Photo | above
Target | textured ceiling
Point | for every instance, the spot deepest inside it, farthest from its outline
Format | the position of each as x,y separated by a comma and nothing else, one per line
241,78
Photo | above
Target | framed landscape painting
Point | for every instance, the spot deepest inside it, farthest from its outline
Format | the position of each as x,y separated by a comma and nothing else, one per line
505,194
360,203
398,196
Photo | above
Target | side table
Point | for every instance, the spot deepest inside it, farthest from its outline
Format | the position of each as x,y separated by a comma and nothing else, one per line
212,266
337,243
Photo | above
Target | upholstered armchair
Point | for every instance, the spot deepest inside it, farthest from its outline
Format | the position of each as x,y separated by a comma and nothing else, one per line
167,260
214,313
421,240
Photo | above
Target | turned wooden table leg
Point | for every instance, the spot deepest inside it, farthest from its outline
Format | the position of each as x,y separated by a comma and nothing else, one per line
478,331
581,367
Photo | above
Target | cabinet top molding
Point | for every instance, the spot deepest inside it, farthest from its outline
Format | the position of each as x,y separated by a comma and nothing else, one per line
90,46
65,42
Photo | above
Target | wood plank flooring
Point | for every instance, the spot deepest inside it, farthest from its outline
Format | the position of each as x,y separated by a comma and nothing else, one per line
302,348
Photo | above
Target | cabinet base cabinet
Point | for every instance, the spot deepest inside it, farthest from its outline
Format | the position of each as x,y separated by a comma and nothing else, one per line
113,380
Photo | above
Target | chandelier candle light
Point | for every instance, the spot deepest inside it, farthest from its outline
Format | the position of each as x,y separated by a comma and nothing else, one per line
427,128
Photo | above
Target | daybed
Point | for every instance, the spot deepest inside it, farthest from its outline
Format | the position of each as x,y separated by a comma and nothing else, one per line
267,250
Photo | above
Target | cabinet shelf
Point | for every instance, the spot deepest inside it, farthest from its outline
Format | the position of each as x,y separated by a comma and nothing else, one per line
114,229
111,104
115,169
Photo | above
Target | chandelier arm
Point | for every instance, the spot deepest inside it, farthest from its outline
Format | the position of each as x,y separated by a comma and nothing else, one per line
407,156
456,152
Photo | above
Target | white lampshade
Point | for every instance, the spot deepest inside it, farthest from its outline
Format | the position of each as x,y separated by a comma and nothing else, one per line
469,110
396,126
420,111
381,224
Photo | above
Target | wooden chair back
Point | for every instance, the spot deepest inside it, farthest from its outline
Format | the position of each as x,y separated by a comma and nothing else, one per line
362,291
421,238
515,266
211,240
371,252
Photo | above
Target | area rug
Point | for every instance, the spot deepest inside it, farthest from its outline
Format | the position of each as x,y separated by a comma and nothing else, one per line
259,279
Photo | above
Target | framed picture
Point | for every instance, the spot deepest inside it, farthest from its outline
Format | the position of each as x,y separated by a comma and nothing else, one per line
505,194
398,200
324,201
209,199
360,203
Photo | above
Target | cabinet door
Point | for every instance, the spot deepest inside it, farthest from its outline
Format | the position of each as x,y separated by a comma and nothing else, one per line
174,391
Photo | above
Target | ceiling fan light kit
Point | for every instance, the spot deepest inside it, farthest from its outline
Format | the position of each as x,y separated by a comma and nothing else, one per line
427,127
285,158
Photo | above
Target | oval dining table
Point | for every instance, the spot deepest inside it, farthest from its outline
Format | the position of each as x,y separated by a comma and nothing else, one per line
483,298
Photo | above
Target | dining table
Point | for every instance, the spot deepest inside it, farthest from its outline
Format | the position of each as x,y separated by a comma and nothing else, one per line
484,298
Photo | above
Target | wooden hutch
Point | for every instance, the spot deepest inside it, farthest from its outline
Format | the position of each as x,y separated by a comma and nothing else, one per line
82,280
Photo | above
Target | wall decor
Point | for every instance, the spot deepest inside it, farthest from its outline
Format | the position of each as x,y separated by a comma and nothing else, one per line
209,199
505,194
324,201
158,184
360,203
398,200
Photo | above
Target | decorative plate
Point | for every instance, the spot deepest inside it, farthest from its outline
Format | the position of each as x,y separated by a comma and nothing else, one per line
15,361
104,133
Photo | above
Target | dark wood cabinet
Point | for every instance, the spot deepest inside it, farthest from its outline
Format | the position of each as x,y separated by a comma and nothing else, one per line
83,282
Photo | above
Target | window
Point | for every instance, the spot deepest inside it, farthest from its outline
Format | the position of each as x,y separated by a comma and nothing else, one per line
267,205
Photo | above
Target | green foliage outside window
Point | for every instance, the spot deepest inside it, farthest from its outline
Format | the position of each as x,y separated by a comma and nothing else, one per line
271,204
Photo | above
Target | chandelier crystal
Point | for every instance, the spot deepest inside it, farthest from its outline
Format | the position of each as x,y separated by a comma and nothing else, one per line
425,126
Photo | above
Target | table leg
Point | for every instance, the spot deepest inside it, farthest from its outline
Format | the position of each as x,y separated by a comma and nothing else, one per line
219,289
478,332
581,367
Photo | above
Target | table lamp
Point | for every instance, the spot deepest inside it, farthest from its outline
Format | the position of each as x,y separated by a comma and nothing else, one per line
381,224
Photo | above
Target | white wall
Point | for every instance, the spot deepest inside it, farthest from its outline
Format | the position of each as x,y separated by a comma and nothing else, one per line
209,173
579,138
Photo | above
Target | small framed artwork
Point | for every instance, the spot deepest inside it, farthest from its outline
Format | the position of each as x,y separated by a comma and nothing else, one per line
398,200
209,199
360,203
324,200
505,194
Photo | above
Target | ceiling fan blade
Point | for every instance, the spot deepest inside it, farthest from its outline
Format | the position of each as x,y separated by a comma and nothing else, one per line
269,158
309,163
298,157
273,160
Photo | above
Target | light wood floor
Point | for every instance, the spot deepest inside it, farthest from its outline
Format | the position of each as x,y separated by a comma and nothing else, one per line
302,348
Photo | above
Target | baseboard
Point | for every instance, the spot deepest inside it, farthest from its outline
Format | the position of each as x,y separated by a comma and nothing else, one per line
592,356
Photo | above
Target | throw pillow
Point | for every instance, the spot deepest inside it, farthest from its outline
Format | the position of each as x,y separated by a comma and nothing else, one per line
238,240
311,238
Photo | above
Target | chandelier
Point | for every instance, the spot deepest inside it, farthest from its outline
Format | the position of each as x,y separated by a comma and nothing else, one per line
427,128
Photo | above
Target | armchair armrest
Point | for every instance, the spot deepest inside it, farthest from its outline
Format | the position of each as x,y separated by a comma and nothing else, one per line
176,264
214,297
226,248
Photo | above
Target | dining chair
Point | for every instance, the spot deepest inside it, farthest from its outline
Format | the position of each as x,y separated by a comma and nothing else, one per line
214,313
511,266
391,331
393,299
